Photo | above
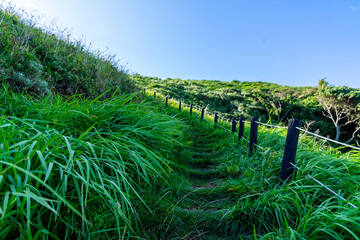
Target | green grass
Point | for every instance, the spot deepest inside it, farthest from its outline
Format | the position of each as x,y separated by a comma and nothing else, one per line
74,169
264,207
41,60
102,164
126,168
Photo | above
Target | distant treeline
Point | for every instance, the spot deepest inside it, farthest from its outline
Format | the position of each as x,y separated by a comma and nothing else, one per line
332,111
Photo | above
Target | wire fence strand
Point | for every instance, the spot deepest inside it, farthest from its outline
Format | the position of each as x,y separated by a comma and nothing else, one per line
245,139
326,187
269,125
328,139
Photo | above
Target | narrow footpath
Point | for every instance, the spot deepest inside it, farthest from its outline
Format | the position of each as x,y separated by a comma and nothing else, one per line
205,199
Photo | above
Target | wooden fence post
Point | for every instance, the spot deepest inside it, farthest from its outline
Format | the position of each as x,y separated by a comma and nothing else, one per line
253,134
179,106
233,127
154,95
144,90
191,107
216,117
292,139
202,114
241,127
166,101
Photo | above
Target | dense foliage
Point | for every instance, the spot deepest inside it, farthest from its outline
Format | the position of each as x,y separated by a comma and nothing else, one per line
268,101
341,105
44,60
221,191
74,169
109,165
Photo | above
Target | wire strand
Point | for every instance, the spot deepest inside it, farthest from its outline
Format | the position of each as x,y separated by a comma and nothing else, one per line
328,139
326,187
269,125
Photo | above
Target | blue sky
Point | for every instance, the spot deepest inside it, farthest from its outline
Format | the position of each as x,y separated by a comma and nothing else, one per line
287,42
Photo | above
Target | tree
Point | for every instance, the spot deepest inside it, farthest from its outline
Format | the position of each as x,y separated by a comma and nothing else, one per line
341,105
275,104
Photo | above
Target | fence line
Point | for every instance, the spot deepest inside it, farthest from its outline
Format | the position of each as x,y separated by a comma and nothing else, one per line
262,148
290,145
329,139
276,126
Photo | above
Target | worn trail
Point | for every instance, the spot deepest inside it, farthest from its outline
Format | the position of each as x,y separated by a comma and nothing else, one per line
205,200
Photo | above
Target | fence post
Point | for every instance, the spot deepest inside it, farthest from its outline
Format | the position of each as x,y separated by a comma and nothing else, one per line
216,117
253,134
292,139
144,90
179,105
154,95
233,127
166,101
241,127
191,107
202,114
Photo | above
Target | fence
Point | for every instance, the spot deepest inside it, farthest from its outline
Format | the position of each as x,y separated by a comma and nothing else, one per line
288,165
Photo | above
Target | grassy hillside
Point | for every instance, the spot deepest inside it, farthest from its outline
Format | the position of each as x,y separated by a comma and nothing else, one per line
42,61
112,163
268,101
220,191
75,169
77,147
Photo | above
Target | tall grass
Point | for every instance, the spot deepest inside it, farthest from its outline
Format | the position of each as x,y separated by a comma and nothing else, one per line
266,207
41,59
73,169
300,208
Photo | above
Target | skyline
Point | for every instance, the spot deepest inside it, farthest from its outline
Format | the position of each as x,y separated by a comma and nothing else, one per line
283,42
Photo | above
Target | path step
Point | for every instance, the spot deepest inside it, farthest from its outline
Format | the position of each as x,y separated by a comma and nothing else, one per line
205,173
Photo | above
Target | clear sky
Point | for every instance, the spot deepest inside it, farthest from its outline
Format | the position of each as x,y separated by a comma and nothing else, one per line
287,42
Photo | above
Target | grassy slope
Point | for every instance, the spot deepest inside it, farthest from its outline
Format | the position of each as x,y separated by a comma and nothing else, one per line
74,169
44,60
124,168
220,191
268,101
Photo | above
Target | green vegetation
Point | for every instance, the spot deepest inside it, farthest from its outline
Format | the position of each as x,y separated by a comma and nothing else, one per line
269,102
220,191
44,61
341,105
117,164
74,169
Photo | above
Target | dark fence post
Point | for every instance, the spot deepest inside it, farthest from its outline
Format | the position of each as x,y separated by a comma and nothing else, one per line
179,106
253,134
291,144
154,95
233,127
202,114
241,127
166,100
191,107
216,117
144,90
